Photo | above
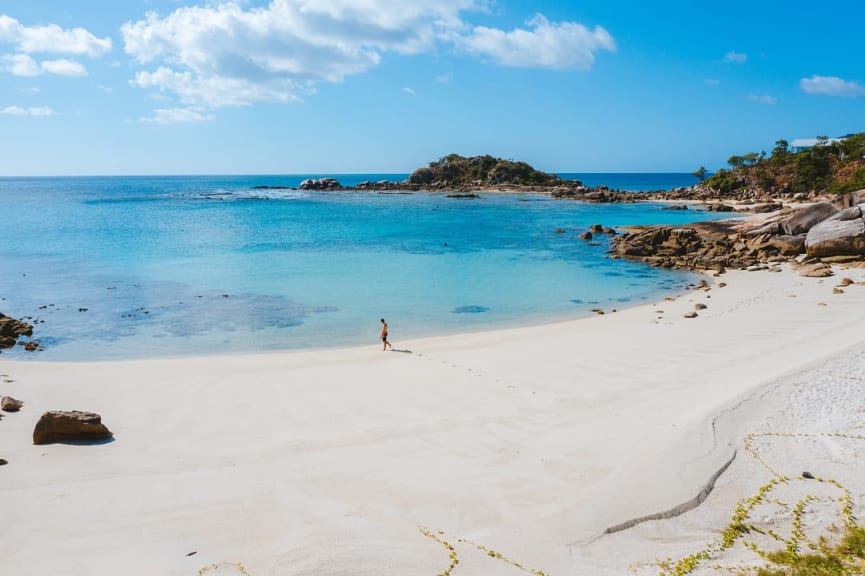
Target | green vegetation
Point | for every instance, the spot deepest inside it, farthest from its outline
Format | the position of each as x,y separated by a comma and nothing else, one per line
845,559
827,167
794,554
456,170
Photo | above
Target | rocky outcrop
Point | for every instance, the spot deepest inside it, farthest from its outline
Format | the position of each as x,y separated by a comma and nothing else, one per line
320,184
10,404
11,329
817,231
74,426
839,235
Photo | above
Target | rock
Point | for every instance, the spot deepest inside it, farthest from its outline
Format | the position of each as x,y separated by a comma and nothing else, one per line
11,329
559,230
10,404
806,218
807,475
691,314
845,282
719,208
816,270
320,184
586,236
837,290
700,306
788,245
57,426
596,229
676,207
610,231
842,234
3,462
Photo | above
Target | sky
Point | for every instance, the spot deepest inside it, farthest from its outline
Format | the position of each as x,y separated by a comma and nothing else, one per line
102,87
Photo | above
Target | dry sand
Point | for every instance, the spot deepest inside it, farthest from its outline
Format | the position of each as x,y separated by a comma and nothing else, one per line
528,442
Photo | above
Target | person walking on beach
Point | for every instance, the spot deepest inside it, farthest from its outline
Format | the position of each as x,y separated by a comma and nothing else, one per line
384,343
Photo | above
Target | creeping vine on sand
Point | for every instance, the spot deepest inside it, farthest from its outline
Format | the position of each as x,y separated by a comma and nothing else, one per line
440,537
241,570
847,560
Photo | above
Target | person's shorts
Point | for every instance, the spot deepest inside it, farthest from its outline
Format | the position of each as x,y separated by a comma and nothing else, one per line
384,338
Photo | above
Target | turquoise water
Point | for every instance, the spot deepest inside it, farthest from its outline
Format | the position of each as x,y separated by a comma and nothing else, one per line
130,267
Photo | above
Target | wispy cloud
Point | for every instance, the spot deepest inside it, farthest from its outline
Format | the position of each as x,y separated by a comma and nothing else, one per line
25,66
64,67
21,65
409,91
763,99
711,81
558,46
232,54
178,116
51,39
35,111
443,78
832,86
735,58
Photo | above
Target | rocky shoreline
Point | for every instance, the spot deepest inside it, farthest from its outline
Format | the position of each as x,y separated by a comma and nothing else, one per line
811,237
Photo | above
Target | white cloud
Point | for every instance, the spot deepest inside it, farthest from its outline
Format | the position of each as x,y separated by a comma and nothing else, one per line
51,39
24,65
832,86
711,82
178,116
763,99
443,78
35,111
560,46
735,58
230,54
64,67
21,65
409,91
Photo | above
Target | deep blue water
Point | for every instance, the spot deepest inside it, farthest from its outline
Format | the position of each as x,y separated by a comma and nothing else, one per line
120,267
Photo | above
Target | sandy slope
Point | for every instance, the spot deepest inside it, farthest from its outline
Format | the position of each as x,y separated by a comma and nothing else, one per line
529,442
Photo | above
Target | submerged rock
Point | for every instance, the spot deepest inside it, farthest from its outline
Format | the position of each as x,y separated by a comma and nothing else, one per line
470,310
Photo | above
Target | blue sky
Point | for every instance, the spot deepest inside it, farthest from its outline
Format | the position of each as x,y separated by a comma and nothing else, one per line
341,86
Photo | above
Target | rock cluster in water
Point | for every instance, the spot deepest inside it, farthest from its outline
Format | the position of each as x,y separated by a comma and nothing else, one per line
11,329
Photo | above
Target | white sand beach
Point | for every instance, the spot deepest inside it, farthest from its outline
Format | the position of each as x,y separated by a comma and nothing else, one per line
526,442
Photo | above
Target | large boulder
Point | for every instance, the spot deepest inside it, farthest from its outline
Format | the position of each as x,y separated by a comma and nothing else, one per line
806,218
788,245
842,234
74,426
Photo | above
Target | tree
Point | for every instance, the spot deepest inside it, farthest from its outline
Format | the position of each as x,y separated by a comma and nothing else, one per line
782,148
700,173
735,161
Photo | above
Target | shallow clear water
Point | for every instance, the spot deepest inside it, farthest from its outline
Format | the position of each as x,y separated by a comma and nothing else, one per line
134,267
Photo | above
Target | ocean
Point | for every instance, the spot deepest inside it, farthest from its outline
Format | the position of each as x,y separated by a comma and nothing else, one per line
135,267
